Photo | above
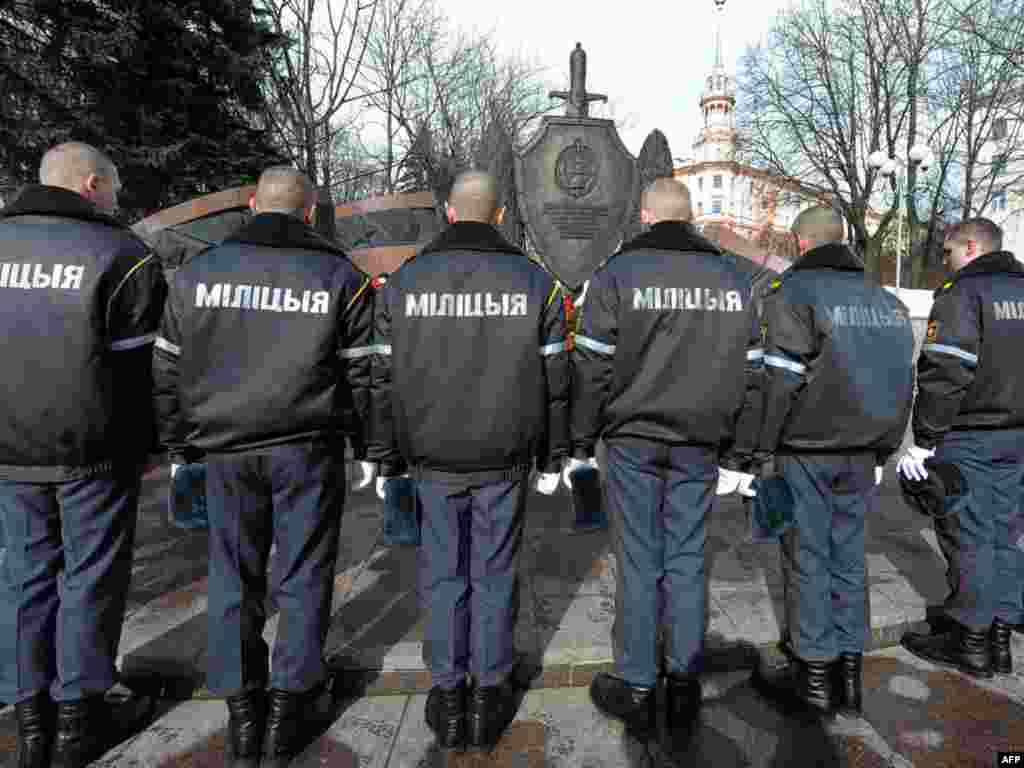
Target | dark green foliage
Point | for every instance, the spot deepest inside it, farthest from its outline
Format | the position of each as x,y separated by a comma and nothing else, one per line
170,90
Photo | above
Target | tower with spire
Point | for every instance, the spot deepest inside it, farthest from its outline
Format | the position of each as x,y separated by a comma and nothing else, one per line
717,138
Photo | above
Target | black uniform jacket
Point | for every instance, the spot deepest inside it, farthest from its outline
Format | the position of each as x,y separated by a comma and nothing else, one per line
970,374
472,370
265,340
668,348
80,301
838,360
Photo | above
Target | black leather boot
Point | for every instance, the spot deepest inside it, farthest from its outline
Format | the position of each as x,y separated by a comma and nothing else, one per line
35,718
247,720
446,716
288,718
807,685
1002,656
636,707
682,710
960,648
491,709
847,683
79,730
89,727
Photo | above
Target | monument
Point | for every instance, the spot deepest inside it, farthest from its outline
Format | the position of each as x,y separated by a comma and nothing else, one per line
576,184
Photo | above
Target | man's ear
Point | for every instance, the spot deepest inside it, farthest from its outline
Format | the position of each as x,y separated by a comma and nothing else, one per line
499,216
646,217
450,212
310,215
972,249
90,186
252,203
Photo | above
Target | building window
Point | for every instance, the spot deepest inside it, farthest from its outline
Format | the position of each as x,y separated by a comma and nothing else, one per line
716,205
700,183
999,201
717,181
700,209
998,129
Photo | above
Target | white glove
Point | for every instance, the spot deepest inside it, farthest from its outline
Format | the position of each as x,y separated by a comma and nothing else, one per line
382,480
744,488
547,482
728,481
911,464
367,471
575,464
879,471
174,469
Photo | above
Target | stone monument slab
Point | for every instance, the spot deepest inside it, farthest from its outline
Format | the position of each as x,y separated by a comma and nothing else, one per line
576,183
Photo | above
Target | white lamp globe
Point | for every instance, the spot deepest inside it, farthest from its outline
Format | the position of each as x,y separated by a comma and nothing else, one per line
889,168
877,158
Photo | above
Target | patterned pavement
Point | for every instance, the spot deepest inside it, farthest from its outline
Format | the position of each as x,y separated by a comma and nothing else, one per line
914,714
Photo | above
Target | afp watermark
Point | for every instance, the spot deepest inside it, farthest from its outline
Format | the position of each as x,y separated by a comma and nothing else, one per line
1015,759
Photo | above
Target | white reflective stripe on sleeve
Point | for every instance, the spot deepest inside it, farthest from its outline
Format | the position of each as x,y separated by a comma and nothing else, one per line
166,346
755,354
554,349
597,346
381,349
945,349
137,341
781,362
354,352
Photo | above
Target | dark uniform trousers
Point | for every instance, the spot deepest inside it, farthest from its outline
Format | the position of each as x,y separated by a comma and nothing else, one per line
292,496
64,583
659,497
824,570
469,577
989,562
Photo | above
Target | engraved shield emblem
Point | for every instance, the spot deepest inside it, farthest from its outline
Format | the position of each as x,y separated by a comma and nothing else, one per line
576,182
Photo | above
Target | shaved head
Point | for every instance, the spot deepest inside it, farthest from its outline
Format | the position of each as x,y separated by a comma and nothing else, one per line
970,239
287,190
82,169
474,197
817,226
665,199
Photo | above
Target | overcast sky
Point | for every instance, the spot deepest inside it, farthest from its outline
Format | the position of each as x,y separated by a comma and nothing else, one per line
649,56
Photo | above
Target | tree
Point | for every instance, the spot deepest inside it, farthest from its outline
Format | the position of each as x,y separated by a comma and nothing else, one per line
826,91
312,77
838,81
169,90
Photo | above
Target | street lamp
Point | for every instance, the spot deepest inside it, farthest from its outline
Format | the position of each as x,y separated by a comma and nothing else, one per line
920,155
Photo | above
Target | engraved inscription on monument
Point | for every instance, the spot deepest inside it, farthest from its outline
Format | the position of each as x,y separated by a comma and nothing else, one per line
577,169
577,222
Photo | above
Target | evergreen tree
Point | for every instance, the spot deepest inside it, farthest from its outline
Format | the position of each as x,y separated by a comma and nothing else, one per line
170,90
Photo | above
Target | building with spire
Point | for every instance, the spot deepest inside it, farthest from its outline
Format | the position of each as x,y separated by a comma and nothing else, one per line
751,202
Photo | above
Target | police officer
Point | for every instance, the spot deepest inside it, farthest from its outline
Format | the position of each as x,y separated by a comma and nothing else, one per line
838,391
970,412
262,363
472,388
665,371
80,300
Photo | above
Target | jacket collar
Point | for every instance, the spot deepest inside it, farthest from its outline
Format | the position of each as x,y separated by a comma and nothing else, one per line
989,263
278,230
44,200
672,236
470,236
829,256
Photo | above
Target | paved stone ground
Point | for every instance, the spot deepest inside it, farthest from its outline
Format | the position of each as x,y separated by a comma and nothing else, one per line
566,600
916,715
